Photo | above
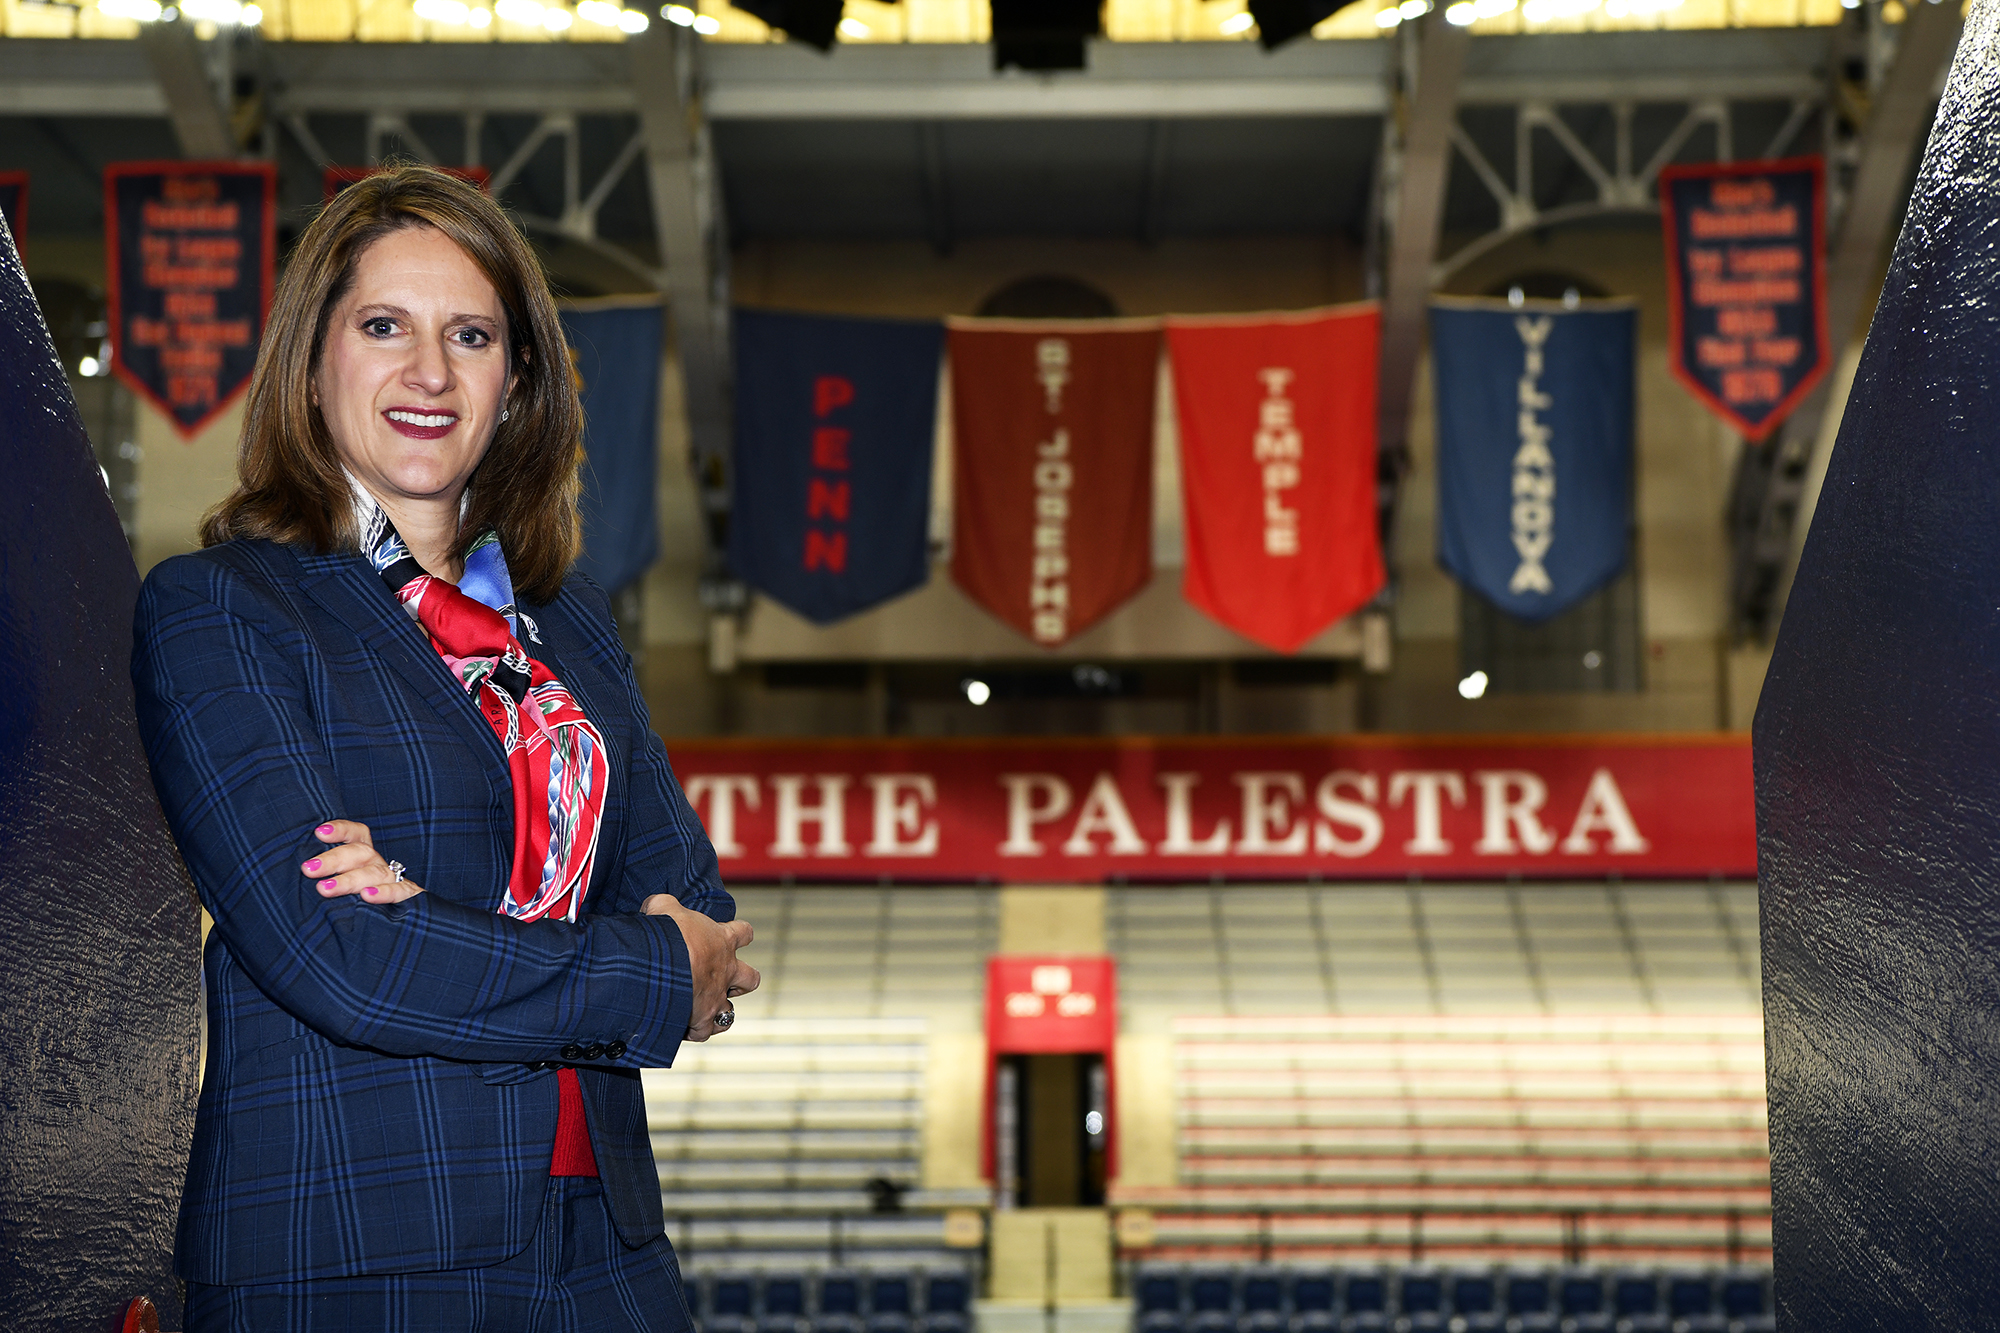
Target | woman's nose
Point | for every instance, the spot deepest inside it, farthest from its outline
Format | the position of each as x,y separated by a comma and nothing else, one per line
429,369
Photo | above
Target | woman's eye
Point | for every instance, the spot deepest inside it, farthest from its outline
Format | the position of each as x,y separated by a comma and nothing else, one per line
380,328
473,338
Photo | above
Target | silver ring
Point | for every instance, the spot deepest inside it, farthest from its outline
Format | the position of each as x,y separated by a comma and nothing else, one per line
396,872
724,1019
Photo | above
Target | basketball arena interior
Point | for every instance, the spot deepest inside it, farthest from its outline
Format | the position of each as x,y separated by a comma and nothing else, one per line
1171,918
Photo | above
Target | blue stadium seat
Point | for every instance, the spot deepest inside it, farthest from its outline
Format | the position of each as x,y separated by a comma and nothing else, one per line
1634,1294
1689,1295
1580,1301
1530,1304
782,1305
1756,1323
1367,1293
838,1309
1261,1298
1475,1302
1159,1300
731,1306
1211,1302
947,1303
889,1304
1743,1296
1313,1299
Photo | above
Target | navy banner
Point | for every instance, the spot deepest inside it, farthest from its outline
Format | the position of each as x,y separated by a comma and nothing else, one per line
615,347
1534,443
1746,286
189,256
834,423
14,206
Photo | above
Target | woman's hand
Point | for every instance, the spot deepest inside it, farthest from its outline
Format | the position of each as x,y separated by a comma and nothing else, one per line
353,866
711,946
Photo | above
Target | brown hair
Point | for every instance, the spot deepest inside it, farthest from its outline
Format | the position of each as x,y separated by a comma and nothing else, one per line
290,486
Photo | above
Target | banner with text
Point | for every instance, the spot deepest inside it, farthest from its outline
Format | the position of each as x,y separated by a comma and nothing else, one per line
1746,286
835,420
1534,448
1278,442
1052,468
189,258
1347,808
615,347
14,207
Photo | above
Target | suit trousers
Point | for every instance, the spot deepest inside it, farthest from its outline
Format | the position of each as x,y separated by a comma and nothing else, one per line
576,1276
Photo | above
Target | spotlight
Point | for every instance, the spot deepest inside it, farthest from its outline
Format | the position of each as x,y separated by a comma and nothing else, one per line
1473,686
1045,34
1236,23
87,367
1279,21
853,29
976,690
814,22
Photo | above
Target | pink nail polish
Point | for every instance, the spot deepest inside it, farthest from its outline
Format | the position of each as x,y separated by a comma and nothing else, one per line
312,865
370,890
328,883
324,830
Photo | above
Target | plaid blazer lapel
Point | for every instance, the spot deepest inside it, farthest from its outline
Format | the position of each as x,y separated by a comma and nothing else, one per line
350,589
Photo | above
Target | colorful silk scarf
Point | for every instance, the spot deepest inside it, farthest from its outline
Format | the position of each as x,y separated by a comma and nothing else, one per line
554,753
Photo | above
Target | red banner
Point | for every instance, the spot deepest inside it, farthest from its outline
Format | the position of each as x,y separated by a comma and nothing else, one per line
1052,472
1352,807
190,253
1277,426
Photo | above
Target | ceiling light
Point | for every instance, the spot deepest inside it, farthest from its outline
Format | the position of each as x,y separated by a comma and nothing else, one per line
707,24
853,29
632,20
1388,18
215,11
442,11
1473,686
1462,14
1236,23
1413,9
480,18
976,690
519,11
557,19
145,11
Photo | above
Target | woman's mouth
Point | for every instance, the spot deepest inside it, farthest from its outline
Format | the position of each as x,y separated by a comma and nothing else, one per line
420,425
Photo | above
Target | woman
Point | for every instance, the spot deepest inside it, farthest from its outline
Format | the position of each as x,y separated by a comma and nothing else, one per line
422,1105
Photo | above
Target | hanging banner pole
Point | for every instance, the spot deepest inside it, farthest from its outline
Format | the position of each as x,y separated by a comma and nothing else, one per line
190,261
1746,286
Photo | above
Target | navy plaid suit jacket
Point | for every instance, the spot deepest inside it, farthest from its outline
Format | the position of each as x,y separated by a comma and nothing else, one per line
375,1099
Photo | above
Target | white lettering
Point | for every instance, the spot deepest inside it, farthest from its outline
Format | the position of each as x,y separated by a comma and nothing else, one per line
1427,808
900,826
1048,584
1511,797
1104,812
1025,810
1534,513
1052,369
1180,820
1277,447
830,813
1268,825
1361,815
722,790
1604,808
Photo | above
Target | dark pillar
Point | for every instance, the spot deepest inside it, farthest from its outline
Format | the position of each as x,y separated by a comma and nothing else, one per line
98,953
1878,789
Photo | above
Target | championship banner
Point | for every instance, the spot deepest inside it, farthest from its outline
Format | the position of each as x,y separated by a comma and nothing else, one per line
615,347
1746,286
1052,468
1091,810
1534,448
1278,443
14,207
835,421
189,259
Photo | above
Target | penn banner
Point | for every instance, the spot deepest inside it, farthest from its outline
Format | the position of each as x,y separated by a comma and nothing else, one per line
835,420
1278,445
190,253
615,348
1052,468
1746,286
14,207
1534,448
1283,808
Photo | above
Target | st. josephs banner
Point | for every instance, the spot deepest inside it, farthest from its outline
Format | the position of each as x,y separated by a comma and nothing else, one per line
615,347
14,207
1052,469
834,426
1746,286
190,253
1534,444
1278,444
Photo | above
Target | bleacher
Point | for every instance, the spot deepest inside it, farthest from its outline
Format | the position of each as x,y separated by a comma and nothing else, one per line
1514,1299
833,1301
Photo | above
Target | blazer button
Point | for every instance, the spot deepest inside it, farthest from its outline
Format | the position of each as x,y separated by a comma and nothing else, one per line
572,1052
594,1051
616,1050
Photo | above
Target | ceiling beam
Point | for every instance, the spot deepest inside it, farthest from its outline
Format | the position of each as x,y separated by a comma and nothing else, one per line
200,121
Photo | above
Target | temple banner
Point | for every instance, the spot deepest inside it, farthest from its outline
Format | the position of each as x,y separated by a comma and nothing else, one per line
1746,286
1346,808
1534,448
189,260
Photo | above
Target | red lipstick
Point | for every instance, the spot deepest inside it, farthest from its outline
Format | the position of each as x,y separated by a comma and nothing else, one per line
419,424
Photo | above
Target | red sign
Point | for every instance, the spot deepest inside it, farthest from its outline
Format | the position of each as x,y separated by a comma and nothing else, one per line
1352,807
1746,286
1055,1005
1277,426
190,253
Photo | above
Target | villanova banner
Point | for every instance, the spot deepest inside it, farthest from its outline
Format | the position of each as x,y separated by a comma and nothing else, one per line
615,348
1278,445
1534,445
190,253
14,207
1052,468
1746,286
835,419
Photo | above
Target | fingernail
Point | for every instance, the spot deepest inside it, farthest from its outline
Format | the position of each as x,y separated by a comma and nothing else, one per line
312,865
324,830
370,890
328,883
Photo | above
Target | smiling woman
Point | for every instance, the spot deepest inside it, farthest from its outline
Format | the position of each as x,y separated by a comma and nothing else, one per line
422,1107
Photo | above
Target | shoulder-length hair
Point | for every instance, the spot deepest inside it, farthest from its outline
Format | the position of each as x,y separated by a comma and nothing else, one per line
290,486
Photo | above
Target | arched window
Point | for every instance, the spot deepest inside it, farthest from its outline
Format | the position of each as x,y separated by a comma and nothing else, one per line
1048,296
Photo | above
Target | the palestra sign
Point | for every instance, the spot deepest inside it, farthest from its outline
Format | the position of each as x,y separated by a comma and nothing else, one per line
1258,809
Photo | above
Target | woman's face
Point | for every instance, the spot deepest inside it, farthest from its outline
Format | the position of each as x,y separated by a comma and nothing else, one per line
414,372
